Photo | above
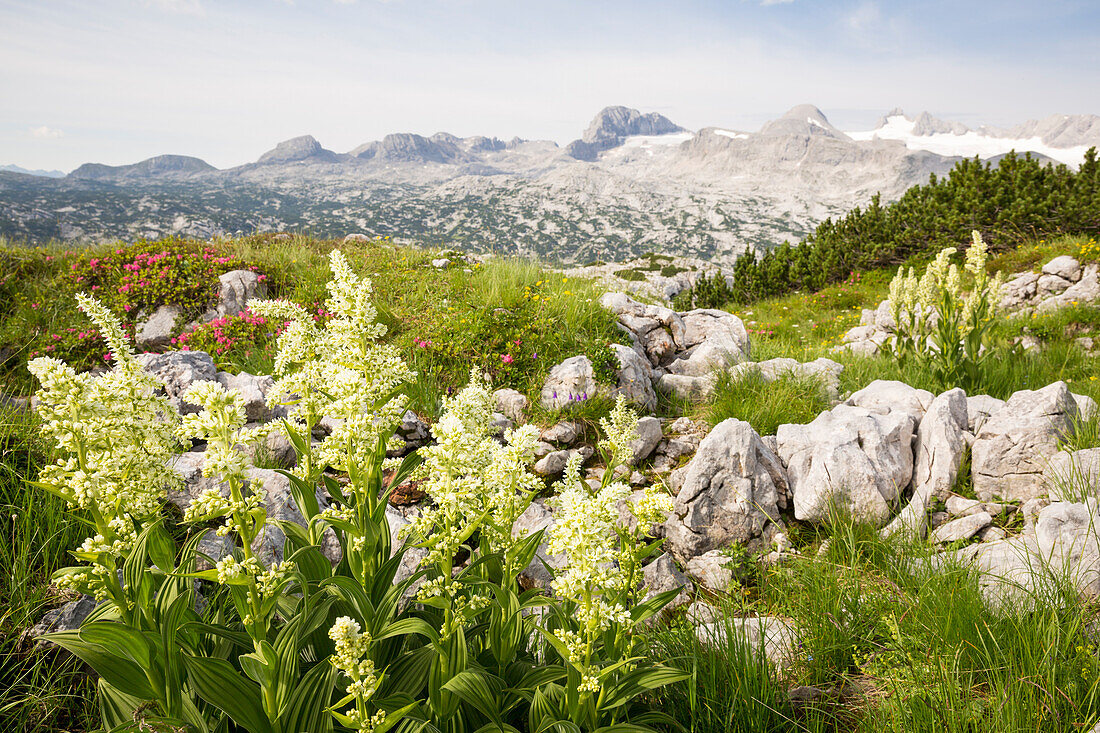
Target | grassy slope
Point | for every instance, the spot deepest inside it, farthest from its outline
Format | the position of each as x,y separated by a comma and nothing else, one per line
477,317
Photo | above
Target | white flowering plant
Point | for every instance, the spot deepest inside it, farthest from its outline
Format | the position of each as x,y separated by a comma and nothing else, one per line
592,631
319,633
940,324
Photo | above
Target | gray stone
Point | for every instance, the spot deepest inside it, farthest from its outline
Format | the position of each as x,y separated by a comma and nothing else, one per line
156,331
562,433
884,395
661,576
851,459
940,444
235,289
961,528
512,404
570,381
729,493
634,378
1014,444
553,464
68,617
691,389
771,636
710,570
1073,475
441,264
254,391
1086,407
356,239
979,408
1019,290
1065,267
1051,285
649,435
178,370
535,518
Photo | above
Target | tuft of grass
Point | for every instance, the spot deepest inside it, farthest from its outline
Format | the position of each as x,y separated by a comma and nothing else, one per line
766,405
40,690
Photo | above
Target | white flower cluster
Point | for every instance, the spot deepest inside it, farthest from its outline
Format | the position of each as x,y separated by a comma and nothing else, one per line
620,430
471,477
351,646
584,531
116,433
338,370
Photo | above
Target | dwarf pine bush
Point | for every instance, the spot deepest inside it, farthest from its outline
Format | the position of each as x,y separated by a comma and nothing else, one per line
325,632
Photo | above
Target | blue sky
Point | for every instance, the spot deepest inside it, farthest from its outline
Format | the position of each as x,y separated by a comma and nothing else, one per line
117,81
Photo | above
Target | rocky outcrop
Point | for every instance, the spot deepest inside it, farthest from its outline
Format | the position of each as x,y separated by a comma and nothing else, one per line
634,378
1011,450
178,370
573,380
235,289
849,460
940,444
729,493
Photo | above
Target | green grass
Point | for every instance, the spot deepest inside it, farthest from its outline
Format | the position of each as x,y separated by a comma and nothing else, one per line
766,405
39,690
903,648
510,317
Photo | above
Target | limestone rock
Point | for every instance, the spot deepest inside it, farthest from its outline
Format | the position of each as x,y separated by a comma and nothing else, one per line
156,331
1073,475
979,408
562,433
729,493
710,570
1014,444
254,389
570,381
961,528
1065,267
634,378
235,289
940,444
178,370
512,404
649,435
661,576
851,458
884,395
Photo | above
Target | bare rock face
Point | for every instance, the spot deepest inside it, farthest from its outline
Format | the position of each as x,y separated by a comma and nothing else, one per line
940,444
729,493
849,459
278,501
649,435
1065,267
979,408
961,528
713,339
634,378
236,288
661,576
570,381
1073,475
156,331
884,395
512,404
1014,444
254,390
178,370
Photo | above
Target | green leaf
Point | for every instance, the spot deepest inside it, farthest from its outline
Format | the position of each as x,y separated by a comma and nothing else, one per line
306,707
162,551
122,674
407,626
116,708
653,606
119,640
219,684
640,680
478,689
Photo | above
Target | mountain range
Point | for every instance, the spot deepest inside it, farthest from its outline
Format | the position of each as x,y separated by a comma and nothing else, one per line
633,182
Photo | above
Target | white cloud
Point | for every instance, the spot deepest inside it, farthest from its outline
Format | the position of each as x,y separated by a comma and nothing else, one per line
183,7
775,2
46,133
864,18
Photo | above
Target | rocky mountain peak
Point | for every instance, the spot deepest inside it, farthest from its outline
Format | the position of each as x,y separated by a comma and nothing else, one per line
618,122
926,124
294,149
803,120
159,165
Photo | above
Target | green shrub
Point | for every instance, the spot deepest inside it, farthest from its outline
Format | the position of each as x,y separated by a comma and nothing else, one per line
1010,202
243,342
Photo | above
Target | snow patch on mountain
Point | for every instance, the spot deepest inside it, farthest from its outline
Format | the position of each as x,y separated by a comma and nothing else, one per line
966,144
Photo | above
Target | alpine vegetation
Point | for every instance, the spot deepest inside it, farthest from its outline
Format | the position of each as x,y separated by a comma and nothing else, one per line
259,623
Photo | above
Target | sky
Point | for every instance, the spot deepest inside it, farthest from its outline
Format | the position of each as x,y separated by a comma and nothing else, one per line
118,81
